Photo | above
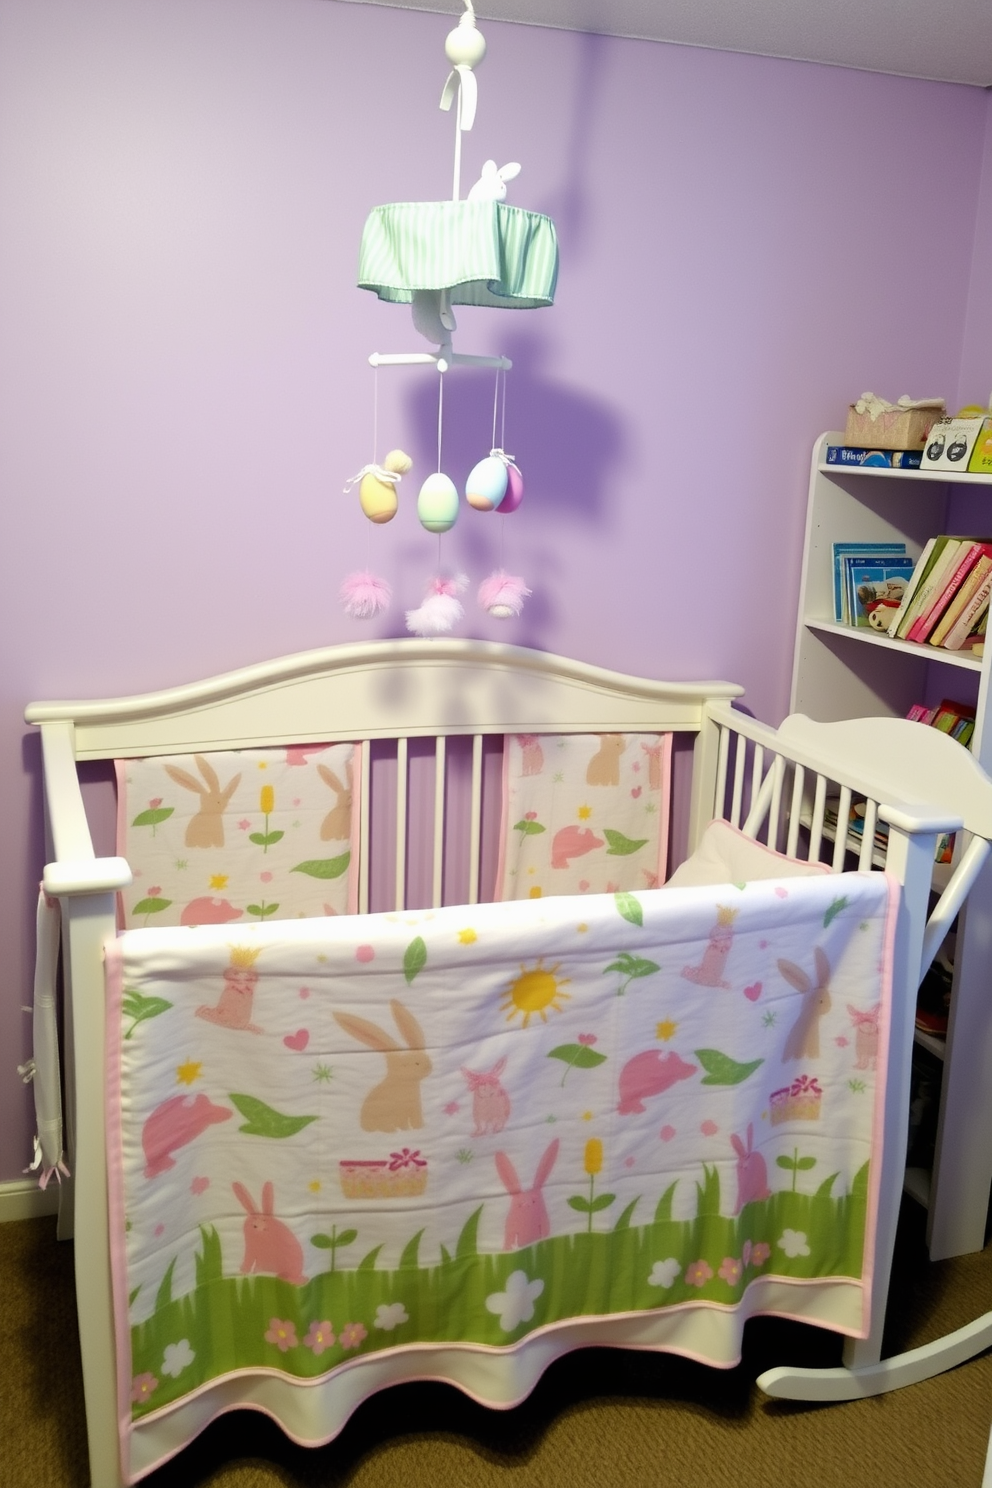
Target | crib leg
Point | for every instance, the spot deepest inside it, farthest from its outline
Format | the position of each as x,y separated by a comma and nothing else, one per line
887,1374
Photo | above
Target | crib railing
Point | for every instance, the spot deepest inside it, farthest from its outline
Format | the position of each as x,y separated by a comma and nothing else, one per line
771,785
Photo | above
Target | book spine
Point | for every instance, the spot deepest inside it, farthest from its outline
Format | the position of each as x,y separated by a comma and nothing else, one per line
962,627
976,574
925,590
913,585
967,556
844,454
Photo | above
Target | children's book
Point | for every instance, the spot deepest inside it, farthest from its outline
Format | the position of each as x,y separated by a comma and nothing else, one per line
844,454
970,615
955,574
875,589
922,567
938,570
867,551
962,598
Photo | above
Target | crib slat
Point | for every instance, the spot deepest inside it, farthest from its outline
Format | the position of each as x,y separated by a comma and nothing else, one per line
438,869
757,773
723,749
777,773
843,815
795,806
475,829
740,758
816,826
868,835
401,793
364,799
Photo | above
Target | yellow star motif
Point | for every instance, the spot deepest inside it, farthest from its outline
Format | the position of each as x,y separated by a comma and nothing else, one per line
263,764
218,881
582,929
188,1072
314,1187
665,1029
584,813
467,937
586,1115
535,892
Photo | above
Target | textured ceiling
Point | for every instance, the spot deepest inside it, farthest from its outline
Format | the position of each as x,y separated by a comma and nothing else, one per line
948,40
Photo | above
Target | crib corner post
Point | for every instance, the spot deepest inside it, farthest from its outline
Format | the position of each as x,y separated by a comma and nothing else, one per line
705,763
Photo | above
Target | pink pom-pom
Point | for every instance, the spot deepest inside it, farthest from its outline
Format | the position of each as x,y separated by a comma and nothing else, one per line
441,608
502,595
365,595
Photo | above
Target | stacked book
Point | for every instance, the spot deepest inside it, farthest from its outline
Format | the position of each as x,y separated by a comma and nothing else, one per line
946,599
870,580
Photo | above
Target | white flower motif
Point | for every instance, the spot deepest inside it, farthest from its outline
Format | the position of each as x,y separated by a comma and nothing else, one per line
663,1273
178,1356
516,1304
793,1242
390,1315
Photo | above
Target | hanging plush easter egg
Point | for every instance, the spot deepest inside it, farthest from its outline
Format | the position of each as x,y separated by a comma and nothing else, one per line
377,498
514,491
437,504
486,485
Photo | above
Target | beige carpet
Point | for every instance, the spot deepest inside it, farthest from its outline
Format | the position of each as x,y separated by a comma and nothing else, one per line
599,1417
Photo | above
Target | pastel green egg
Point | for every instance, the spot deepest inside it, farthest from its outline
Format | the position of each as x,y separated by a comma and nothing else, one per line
437,504
486,484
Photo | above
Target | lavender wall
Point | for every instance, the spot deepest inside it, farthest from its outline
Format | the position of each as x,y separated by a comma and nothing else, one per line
183,383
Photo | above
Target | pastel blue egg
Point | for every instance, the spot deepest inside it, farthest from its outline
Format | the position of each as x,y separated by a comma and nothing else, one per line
437,504
486,484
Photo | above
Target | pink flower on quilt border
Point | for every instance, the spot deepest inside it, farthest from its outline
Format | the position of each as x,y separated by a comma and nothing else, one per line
760,1253
282,1334
352,1334
699,1273
141,1387
730,1270
319,1338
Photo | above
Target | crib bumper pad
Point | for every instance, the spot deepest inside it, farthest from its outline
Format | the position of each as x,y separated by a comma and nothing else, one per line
456,1143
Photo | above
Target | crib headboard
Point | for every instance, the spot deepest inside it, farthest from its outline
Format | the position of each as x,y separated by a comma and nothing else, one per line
443,692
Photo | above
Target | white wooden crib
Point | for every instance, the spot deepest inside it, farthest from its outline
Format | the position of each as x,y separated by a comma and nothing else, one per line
774,784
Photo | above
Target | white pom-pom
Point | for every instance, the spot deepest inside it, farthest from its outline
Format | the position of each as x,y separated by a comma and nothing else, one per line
364,595
502,595
441,608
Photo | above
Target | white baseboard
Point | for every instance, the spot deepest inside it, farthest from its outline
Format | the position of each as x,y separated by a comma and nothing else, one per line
23,1199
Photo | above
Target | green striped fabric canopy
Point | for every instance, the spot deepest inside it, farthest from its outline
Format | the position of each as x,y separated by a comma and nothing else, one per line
484,252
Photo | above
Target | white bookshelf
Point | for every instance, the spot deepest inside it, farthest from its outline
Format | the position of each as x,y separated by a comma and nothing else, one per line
843,672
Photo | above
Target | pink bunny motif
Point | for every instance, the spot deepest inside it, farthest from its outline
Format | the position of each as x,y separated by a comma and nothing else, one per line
206,828
490,1102
270,1245
336,825
532,759
865,1036
752,1172
527,1222
394,1104
654,753
803,1040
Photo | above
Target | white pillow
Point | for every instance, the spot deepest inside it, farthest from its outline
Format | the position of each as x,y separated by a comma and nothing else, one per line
725,855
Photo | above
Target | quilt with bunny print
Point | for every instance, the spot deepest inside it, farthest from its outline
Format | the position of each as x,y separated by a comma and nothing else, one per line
333,1138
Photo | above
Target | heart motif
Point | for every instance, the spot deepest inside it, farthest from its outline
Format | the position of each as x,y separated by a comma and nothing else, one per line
753,992
297,1040
636,791
583,885
782,893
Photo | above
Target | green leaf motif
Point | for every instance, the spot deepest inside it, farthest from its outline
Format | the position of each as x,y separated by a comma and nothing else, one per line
135,1005
834,910
410,1258
823,1192
263,1121
164,1294
322,1242
663,1213
414,959
579,1203
529,828
805,1163
367,1263
578,1054
592,1206
621,846
785,1162
632,967
722,1070
623,1223
262,911
630,908
153,817
266,839
150,906
468,1240
324,867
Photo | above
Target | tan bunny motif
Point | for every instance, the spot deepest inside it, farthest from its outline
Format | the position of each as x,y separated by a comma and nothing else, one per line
604,767
803,1041
336,825
270,1245
393,1104
206,828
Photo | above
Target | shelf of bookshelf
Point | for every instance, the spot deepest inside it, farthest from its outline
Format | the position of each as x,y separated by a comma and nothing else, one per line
910,648
840,671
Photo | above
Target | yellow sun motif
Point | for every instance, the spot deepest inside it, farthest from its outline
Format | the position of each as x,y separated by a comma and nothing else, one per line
582,929
218,881
188,1072
586,1115
534,991
535,891
314,1187
584,813
666,1029
467,937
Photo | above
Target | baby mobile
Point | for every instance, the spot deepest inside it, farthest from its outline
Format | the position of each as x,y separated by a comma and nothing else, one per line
476,251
